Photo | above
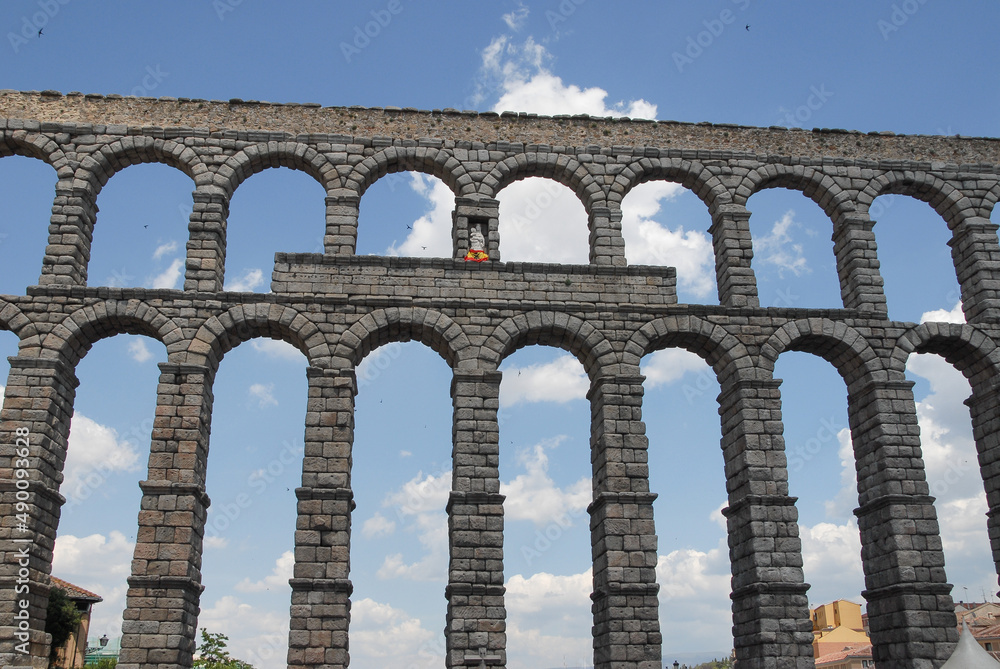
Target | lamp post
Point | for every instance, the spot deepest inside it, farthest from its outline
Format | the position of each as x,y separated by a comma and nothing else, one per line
103,640
677,664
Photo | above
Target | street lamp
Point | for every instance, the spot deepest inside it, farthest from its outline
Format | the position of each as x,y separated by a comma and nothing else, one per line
103,640
677,664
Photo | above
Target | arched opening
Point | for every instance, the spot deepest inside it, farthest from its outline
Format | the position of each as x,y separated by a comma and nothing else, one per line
542,220
27,187
793,257
406,214
680,411
545,474
664,223
402,478
142,228
953,476
276,210
915,260
106,456
254,466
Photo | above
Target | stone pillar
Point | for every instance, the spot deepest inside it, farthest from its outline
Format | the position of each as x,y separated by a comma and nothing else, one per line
976,253
341,236
607,245
477,618
858,266
623,538
984,406
733,252
471,211
206,247
910,611
771,623
161,615
71,230
321,588
37,407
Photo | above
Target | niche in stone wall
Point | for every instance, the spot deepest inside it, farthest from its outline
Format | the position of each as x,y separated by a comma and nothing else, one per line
276,210
27,189
141,231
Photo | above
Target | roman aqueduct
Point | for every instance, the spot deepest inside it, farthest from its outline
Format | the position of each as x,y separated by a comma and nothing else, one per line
336,307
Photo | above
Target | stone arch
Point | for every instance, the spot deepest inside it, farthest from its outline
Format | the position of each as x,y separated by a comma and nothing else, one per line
559,167
710,341
97,168
383,326
22,143
818,186
837,343
224,332
952,204
973,353
14,320
692,175
70,340
258,157
426,160
990,201
557,329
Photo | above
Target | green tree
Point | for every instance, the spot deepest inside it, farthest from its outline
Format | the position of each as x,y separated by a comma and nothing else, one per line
61,620
212,653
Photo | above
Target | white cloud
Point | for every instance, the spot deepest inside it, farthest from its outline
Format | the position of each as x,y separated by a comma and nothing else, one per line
169,277
843,505
212,541
257,634
421,500
831,556
100,564
164,249
519,74
263,394
247,282
561,380
549,620
277,579
649,242
431,233
378,526
137,349
515,20
389,637
954,315
405,454
277,348
777,248
534,496
94,453
664,367
542,221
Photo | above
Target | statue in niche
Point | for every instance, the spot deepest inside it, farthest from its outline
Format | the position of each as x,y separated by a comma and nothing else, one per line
477,244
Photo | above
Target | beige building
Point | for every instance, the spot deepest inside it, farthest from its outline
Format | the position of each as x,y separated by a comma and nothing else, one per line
838,627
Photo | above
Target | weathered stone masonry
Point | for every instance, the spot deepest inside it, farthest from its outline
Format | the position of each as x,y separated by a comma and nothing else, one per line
336,307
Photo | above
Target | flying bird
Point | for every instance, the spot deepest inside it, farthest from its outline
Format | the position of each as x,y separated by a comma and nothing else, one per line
424,248
40,32
748,27
408,228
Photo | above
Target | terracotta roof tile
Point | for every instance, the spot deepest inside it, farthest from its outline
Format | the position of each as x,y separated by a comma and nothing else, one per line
75,592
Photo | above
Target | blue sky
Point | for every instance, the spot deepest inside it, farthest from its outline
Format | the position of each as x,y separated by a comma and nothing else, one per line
924,67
